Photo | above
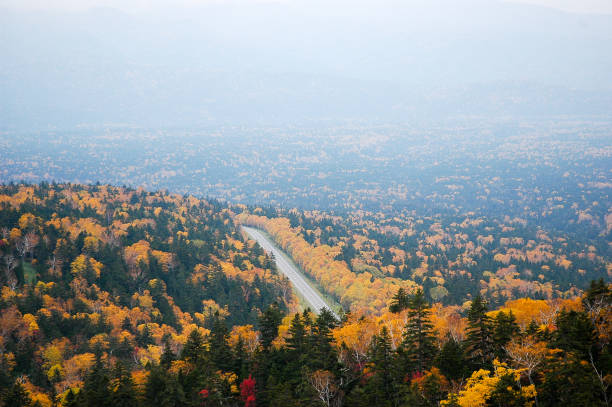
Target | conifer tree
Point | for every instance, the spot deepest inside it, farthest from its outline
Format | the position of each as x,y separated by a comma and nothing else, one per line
322,354
479,335
451,360
418,345
124,394
268,325
70,400
507,393
193,350
296,340
575,333
400,301
241,360
505,328
96,392
17,396
167,356
382,384
163,390
218,345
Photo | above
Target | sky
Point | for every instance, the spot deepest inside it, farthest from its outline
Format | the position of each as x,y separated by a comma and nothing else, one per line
574,6
70,63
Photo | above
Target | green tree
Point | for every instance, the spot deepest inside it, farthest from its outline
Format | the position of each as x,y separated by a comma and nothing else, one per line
219,350
96,391
479,339
194,348
400,301
504,329
17,396
452,361
382,384
507,393
296,339
575,333
163,390
167,356
124,393
322,354
569,381
419,341
268,325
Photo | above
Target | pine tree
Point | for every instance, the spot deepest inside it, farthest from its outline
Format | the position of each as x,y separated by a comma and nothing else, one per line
167,356
419,341
532,328
575,333
218,345
400,301
124,394
569,381
17,396
505,328
598,293
96,391
296,340
479,335
268,325
163,390
451,360
241,362
322,354
382,384
193,350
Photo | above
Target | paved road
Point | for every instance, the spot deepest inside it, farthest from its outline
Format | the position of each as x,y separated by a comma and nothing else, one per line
290,270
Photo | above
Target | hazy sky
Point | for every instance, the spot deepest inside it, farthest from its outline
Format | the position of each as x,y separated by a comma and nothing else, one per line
191,62
578,6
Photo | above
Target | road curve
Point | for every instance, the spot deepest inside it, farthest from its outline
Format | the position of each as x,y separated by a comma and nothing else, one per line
290,270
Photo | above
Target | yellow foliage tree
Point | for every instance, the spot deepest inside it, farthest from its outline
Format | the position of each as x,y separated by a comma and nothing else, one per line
482,383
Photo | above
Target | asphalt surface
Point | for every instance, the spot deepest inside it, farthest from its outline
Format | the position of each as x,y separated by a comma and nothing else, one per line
291,271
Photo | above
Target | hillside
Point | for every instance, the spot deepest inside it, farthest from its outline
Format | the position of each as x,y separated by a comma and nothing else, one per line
120,297
125,270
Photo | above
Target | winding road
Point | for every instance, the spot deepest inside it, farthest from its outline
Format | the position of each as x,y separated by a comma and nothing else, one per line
290,270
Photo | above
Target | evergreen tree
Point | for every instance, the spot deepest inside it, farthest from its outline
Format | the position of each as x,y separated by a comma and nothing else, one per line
598,293
193,350
241,362
17,396
479,335
569,381
532,328
124,394
382,384
70,400
322,354
505,328
96,392
167,356
218,345
575,333
268,325
400,301
419,342
451,360
163,390
296,339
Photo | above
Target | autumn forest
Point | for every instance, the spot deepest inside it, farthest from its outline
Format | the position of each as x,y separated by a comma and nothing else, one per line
123,297
305,203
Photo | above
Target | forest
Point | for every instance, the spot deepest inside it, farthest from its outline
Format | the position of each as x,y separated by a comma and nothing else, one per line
114,296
